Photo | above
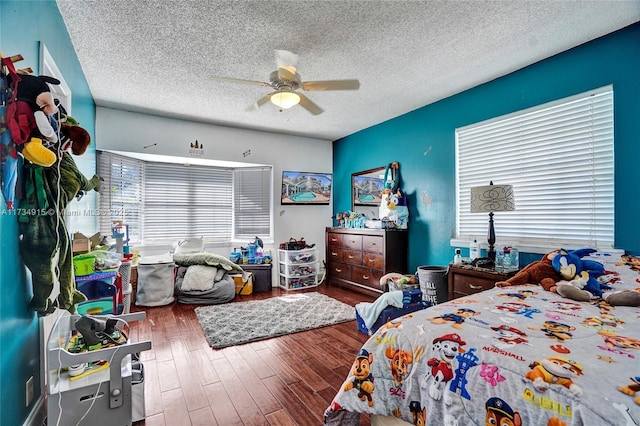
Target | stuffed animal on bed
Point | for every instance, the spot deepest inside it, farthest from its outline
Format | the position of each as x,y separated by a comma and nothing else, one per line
571,264
45,247
566,273
578,275
540,272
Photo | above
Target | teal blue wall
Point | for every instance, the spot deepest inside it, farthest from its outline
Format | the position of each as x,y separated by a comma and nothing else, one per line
23,24
423,140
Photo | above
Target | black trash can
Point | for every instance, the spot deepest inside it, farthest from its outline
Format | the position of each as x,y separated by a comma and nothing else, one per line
433,283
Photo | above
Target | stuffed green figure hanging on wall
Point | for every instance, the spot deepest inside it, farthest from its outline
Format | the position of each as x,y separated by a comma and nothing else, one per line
45,245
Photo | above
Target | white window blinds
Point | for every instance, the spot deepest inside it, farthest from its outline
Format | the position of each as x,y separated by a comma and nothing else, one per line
121,193
252,206
559,159
187,201
166,202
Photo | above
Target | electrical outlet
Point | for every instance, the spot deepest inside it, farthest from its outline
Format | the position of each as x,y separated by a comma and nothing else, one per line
28,391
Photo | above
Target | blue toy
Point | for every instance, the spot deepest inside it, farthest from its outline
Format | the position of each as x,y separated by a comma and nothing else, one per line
572,267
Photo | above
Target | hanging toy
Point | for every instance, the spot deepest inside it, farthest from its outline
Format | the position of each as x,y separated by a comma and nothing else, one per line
45,245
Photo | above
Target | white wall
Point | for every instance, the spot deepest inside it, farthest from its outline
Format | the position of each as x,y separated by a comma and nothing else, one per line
128,131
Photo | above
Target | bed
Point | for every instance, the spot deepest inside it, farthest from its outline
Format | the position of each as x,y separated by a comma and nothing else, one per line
516,355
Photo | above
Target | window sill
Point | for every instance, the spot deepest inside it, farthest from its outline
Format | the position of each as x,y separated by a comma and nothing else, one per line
528,247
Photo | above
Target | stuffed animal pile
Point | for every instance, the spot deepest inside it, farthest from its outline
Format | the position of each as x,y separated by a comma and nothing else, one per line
566,272
40,132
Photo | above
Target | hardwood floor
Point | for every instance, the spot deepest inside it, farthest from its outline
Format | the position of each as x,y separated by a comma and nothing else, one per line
286,380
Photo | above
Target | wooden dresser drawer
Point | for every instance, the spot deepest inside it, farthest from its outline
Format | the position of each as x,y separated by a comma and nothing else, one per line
464,285
366,276
339,270
334,240
352,257
334,254
373,260
372,243
353,242
465,279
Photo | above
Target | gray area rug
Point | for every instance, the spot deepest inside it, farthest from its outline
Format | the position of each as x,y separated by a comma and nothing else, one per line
242,322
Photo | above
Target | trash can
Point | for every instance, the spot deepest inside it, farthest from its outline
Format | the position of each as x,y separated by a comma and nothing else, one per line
433,283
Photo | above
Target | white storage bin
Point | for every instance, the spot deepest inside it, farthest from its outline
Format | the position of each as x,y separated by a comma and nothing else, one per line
296,283
297,256
298,270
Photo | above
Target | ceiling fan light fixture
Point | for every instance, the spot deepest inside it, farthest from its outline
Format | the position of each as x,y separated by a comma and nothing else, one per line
285,100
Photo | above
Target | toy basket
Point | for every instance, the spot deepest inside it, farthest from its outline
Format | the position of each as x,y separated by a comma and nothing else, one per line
83,265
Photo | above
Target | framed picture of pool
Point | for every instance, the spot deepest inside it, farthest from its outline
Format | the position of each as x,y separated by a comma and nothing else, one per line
366,190
306,188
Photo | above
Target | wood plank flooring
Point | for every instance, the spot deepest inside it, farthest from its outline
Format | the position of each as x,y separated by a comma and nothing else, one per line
286,380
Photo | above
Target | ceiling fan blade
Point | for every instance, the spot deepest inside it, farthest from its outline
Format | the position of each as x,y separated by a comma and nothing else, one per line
331,85
307,104
263,100
238,80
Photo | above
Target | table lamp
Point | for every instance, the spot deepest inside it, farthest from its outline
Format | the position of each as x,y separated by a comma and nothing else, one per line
492,198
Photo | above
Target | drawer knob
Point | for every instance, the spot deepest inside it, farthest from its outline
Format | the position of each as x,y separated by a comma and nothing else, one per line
351,257
333,253
475,287
371,260
365,277
338,270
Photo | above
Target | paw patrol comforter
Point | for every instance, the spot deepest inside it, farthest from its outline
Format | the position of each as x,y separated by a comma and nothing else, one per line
507,356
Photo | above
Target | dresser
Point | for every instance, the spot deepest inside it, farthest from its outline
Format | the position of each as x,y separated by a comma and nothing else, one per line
358,258
467,279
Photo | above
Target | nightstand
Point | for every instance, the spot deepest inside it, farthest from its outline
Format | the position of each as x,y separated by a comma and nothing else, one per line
467,279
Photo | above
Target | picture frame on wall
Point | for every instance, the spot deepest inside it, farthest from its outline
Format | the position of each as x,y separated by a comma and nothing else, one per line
306,188
366,190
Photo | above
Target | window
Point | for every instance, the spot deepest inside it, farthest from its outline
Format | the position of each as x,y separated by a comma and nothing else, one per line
559,159
121,193
165,202
252,202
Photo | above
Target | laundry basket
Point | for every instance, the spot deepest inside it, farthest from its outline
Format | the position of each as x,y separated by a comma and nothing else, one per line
433,283
155,281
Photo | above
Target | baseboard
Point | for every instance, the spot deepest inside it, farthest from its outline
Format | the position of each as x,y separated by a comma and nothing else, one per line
37,415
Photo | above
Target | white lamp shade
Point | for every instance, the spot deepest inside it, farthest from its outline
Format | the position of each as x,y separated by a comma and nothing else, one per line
492,198
285,100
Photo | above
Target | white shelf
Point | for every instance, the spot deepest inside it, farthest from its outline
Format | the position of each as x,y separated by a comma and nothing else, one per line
298,268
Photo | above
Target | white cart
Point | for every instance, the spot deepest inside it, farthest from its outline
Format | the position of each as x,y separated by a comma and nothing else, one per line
101,398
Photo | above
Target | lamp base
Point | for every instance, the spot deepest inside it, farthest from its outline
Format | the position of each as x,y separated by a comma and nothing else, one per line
491,239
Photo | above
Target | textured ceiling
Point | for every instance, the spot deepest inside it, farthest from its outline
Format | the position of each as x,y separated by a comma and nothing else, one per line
156,56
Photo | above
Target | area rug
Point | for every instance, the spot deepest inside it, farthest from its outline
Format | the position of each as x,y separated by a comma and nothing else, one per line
242,322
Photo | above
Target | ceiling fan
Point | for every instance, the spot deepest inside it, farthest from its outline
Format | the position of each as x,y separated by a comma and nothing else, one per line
286,81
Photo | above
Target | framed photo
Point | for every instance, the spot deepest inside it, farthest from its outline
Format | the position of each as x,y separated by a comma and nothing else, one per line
306,188
366,190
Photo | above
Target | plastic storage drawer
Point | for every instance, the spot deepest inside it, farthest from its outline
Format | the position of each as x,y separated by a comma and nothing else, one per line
298,282
297,256
298,270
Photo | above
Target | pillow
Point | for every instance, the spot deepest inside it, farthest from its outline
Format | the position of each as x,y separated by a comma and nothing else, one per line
199,277
210,259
